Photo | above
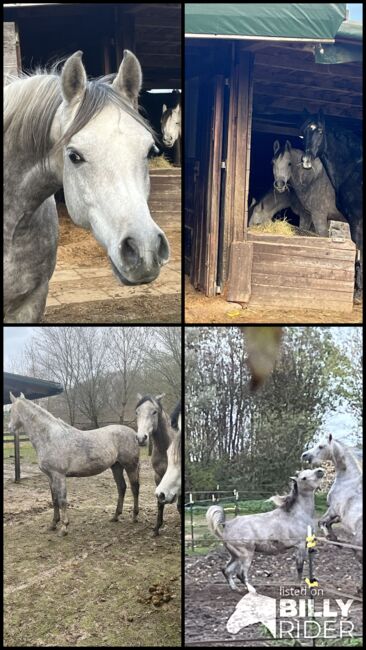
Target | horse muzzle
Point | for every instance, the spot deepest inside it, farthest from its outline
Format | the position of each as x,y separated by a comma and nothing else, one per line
306,162
140,259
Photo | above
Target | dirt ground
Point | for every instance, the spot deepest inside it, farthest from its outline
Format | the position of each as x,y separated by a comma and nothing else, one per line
200,309
209,602
95,586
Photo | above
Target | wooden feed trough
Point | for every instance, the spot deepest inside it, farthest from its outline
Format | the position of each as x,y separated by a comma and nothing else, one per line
293,272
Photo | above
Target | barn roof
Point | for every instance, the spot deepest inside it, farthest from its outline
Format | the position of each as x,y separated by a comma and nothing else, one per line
31,387
284,21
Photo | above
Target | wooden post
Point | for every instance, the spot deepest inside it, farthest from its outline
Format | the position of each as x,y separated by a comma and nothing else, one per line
213,190
238,154
17,457
124,33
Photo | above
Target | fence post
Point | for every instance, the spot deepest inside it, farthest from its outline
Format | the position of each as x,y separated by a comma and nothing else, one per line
17,457
191,510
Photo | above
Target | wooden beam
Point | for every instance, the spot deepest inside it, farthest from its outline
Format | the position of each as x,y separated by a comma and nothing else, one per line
260,90
298,65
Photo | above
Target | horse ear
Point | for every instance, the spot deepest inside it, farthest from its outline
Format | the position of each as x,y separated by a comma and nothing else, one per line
276,146
129,78
160,397
321,115
165,108
73,79
253,202
12,398
288,145
330,438
22,396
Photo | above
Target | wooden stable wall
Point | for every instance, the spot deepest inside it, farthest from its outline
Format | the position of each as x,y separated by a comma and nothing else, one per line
11,49
301,272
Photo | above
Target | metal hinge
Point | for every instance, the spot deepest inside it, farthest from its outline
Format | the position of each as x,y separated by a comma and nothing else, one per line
227,82
223,164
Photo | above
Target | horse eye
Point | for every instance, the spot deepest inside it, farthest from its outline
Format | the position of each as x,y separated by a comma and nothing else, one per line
320,446
320,130
304,478
153,151
75,157
154,412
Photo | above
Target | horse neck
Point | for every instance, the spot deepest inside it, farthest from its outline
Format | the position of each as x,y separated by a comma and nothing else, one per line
306,503
34,422
344,460
161,437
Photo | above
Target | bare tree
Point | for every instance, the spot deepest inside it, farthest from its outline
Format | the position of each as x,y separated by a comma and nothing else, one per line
127,354
91,384
165,358
54,354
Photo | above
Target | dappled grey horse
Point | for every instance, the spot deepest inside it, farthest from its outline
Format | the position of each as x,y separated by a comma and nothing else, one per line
63,450
312,186
261,212
345,496
269,532
87,136
153,427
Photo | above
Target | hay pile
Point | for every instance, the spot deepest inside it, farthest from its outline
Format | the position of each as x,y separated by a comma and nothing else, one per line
159,162
280,227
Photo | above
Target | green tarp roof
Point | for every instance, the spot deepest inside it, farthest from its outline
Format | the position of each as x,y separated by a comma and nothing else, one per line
314,21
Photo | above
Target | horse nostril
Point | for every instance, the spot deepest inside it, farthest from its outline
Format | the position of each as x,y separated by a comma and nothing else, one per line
130,252
163,249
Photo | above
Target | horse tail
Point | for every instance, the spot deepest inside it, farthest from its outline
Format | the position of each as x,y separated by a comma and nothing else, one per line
215,516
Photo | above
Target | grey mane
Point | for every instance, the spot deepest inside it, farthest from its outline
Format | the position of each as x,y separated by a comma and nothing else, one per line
31,102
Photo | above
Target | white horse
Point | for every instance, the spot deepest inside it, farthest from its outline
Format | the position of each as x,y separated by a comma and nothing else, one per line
63,450
87,136
345,496
268,532
171,124
170,486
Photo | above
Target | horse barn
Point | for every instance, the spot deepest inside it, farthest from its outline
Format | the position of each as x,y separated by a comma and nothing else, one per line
83,287
251,70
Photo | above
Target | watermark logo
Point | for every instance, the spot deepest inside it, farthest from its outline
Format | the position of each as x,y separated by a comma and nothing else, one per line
294,617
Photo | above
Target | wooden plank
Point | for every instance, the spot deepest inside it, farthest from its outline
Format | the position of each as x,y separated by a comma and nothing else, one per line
298,280
298,64
312,242
298,262
304,251
289,268
290,302
10,49
240,271
289,293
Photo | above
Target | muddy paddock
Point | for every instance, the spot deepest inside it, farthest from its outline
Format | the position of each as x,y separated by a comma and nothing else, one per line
106,583
209,602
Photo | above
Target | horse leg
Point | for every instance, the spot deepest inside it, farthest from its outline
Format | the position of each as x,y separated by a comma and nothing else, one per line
300,559
133,477
230,571
326,522
117,470
159,519
246,558
56,509
59,484
320,223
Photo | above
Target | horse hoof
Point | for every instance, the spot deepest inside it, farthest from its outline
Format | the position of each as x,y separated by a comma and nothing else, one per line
114,519
62,533
52,527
